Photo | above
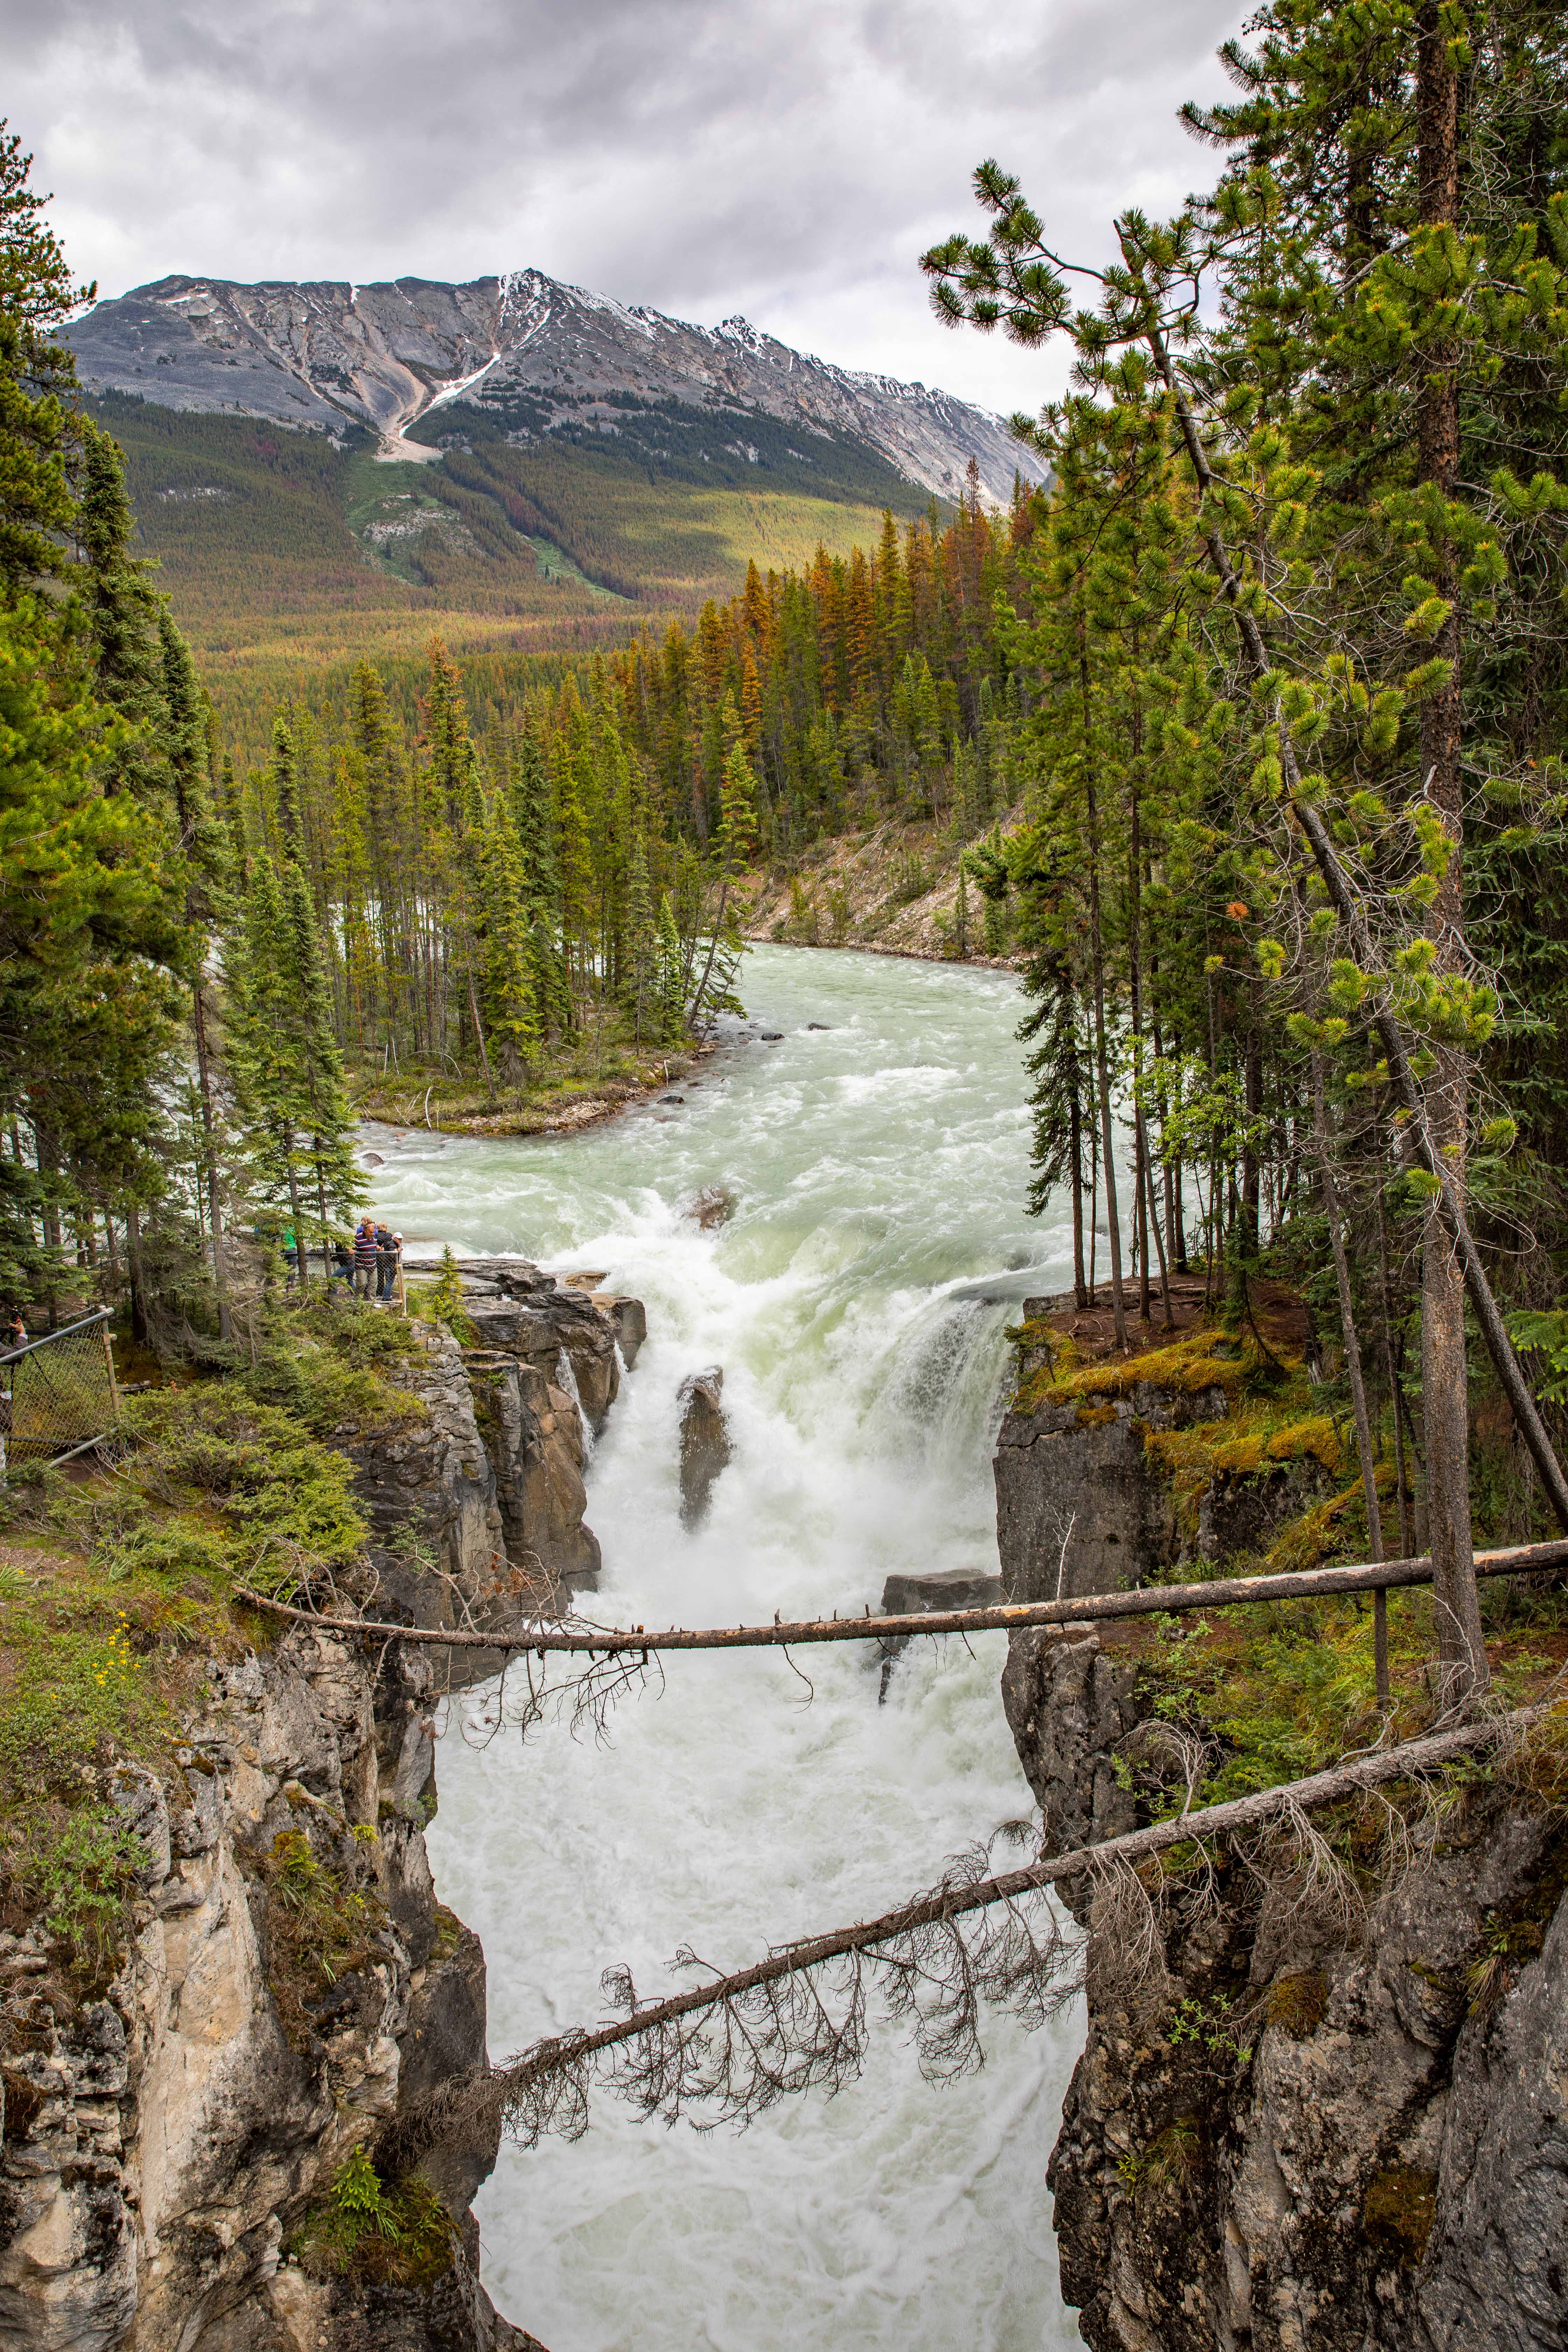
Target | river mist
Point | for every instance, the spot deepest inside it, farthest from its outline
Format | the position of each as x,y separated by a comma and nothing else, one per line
856,1300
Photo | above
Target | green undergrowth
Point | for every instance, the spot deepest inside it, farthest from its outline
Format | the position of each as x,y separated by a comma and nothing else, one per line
331,1363
1276,1690
389,2233
322,1927
116,1586
1284,1690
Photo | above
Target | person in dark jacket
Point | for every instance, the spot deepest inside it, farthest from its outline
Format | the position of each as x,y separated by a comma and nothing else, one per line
365,1258
344,1264
385,1261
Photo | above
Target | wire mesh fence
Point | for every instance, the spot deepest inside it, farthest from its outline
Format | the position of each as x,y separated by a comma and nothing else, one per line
58,1394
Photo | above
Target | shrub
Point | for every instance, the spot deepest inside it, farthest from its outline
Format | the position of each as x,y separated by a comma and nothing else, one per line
320,1929
397,2234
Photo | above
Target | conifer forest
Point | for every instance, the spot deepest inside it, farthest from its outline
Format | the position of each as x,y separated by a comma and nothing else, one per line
388,795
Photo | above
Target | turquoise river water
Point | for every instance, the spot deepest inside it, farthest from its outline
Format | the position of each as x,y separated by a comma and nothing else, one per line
856,1300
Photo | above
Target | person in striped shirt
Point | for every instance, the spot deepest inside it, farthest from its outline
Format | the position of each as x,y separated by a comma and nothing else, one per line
364,1257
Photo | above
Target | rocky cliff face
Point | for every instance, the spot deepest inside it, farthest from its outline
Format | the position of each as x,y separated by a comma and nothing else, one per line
1294,2131
1079,1508
293,1987
1305,2143
491,1478
163,2143
520,353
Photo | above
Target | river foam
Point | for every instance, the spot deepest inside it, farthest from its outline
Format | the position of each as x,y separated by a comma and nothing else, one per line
856,1300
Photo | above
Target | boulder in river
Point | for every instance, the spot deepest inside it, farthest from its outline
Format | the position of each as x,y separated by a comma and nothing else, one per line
629,1318
705,1445
714,1206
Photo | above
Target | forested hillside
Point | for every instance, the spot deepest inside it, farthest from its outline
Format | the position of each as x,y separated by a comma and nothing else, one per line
286,554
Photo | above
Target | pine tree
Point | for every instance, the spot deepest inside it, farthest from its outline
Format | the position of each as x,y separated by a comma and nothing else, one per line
642,945
284,778
295,1117
326,1117
39,432
671,977
205,853
504,941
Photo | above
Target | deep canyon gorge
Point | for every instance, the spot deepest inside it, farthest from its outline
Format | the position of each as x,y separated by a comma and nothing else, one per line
828,1212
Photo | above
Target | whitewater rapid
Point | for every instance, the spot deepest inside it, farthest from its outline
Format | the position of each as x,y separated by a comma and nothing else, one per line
856,1300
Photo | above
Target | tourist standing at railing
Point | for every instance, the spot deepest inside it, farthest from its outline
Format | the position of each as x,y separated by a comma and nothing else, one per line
365,1258
385,1262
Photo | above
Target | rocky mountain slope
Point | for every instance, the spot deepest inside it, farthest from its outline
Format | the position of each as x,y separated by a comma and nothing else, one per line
520,357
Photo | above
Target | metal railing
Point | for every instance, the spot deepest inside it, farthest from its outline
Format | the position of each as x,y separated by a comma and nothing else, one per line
58,1394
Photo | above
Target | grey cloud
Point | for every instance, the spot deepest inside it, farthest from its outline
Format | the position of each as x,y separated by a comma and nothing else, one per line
787,158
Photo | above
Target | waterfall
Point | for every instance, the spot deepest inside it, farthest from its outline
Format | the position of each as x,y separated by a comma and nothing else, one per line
856,1301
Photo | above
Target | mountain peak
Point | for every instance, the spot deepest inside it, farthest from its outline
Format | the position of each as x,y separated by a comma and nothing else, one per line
520,353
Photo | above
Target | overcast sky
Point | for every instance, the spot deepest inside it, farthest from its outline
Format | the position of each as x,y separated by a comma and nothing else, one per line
785,159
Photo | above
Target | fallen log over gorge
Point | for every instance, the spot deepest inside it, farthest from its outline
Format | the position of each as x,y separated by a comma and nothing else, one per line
728,2049
1086,1609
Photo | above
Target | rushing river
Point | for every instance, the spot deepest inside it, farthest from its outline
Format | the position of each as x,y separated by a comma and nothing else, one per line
856,1300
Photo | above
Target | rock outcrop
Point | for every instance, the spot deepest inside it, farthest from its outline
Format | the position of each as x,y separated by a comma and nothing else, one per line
293,1990
1315,2144
714,1206
165,2142
705,1446
911,1595
491,1478
431,1479
517,1310
1291,2129
1069,1706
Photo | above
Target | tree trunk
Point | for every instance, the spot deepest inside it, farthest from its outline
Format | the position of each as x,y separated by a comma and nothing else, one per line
215,1204
478,1033
1075,1120
300,1259
1102,1079
1443,1371
1391,1373
133,1272
1353,1370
